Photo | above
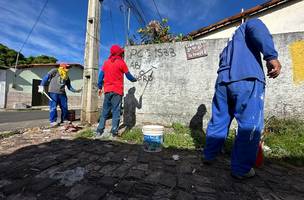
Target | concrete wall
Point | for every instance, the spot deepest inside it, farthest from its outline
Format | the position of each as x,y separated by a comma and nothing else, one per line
282,19
2,88
22,93
174,88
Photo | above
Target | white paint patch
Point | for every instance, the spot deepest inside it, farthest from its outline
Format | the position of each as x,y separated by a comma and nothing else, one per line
252,133
69,177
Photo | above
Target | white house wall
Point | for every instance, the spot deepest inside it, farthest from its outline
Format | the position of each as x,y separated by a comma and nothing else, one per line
22,93
2,88
284,19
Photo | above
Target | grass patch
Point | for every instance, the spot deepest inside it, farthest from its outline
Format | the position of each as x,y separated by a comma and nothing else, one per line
85,134
7,134
180,137
285,137
133,136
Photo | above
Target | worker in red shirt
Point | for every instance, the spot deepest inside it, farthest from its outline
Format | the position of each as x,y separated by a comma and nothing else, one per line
111,81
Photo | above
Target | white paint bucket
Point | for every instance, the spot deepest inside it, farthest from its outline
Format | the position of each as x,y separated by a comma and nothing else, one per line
153,138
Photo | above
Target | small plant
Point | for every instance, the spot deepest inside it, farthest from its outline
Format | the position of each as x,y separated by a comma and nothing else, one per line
181,137
134,136
85,134
159,32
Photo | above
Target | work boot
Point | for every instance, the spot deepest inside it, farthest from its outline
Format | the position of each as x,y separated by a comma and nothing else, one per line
249,174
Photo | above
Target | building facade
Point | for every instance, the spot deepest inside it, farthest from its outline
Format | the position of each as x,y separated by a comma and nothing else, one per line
280,16
21,85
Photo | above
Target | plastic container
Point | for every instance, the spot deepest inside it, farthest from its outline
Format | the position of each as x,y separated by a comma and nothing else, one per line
260,156
153,138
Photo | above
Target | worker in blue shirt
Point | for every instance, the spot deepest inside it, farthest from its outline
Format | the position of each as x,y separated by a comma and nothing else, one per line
239,94
57,79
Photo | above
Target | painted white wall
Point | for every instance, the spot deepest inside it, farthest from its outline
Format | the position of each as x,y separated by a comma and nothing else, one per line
178,87
24,79
285,19
2,88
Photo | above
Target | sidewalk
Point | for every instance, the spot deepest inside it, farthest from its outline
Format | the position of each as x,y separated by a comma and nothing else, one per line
51,164
35,108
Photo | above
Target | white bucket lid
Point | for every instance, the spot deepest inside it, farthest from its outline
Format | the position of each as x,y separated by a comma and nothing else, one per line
153,128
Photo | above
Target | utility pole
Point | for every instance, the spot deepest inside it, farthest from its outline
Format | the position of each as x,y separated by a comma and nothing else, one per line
89,105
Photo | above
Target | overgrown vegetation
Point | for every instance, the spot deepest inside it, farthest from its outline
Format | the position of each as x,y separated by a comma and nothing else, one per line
8,58
284,137
159,32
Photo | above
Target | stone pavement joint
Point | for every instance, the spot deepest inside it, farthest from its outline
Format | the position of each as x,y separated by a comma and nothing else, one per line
41,165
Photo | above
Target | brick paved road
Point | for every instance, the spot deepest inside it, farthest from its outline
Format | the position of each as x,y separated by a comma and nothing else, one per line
50,165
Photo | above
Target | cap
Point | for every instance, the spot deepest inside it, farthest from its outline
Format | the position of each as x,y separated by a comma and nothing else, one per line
64,65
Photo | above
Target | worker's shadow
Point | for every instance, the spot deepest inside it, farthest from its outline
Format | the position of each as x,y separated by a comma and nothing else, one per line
196,126
129,109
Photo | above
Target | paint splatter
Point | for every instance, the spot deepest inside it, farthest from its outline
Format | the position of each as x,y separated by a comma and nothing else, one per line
297,56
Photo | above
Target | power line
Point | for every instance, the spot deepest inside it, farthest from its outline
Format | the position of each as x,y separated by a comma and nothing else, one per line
160,17
140,8
112,25
25,41
138,15
36,22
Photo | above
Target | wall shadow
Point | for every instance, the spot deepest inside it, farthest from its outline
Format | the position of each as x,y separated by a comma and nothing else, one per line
196,126
130,104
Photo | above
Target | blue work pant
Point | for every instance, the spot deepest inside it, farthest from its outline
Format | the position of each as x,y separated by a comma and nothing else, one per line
244,101
112,101
62,101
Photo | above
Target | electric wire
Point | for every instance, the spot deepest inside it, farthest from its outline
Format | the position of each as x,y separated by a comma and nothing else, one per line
138,15
112,26
25,41
140,9
160,17
33,27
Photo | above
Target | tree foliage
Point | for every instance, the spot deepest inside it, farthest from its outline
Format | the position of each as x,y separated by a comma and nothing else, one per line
8,58
159,32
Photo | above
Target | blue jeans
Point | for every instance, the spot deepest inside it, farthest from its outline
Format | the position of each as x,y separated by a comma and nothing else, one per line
112,101
62,101
244,101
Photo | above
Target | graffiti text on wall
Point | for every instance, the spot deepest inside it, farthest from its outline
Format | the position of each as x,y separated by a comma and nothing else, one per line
195,50
297,52
145,76
152,53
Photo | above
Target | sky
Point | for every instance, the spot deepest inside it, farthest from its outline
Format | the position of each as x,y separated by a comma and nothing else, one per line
61,29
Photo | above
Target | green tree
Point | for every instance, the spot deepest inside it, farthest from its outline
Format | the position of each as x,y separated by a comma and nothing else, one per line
43,59
8,57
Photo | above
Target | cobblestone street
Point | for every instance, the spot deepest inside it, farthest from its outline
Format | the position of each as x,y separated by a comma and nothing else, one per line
52,165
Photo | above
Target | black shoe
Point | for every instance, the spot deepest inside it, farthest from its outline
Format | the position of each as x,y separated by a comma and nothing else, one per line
208,162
